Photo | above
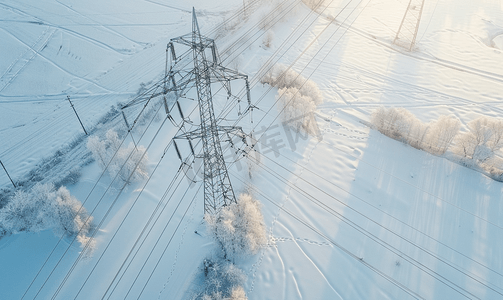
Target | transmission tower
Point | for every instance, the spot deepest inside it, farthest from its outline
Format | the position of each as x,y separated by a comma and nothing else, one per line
206,69
407,32
198,65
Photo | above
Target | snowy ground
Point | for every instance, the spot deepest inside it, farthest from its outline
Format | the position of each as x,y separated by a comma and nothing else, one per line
351,215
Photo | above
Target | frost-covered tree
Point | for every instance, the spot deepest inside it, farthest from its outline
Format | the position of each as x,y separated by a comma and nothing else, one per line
297,96
441,133
237,293
44,207
399,124
496,141
282,77
119,161
476,146
485,136
221,280
295,109
418,134
239,228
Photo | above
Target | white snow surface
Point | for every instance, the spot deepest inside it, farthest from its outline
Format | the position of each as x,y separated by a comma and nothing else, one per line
350,214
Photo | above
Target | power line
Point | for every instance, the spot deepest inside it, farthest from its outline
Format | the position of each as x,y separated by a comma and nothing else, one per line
87,244
268,65
148,233
364,231
82,207
167,245
375,207
168,189
79,210
333,242
107,212
125,217
123,220
358,158
139,237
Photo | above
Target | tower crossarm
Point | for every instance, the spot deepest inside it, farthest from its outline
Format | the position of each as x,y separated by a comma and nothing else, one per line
186,40
225,75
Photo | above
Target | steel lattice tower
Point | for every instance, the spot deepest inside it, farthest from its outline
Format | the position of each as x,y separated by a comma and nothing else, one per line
407,32
199,66
218,190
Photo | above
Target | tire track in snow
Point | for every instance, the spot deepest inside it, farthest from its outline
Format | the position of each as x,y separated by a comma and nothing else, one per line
56,125
362,76
69,31
99,24
20,64
37,52
24,54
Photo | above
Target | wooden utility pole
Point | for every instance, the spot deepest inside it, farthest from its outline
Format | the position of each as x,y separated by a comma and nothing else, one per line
1,163
68,97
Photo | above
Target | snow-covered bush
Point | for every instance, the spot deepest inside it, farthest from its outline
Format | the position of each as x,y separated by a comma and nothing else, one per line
44,207
221,280
485,136
400,124
238,293
282,76
473,149
495,170
240,230
295,108
297,95
121,161
239,227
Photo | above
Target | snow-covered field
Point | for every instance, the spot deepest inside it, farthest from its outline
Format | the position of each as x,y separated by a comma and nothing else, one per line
350,213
